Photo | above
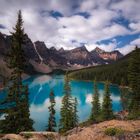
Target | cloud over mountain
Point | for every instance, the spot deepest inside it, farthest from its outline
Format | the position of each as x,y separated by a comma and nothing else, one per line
70,23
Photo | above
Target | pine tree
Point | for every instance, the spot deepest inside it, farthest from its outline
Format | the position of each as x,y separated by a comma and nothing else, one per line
96,110
66,113
134,83
107,112
125,94
17,105
75,111
51,120
23,111
122,82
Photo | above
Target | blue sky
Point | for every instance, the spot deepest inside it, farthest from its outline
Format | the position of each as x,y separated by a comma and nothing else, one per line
107,24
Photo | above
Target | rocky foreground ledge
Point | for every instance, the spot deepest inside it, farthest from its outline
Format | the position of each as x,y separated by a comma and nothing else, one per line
130,131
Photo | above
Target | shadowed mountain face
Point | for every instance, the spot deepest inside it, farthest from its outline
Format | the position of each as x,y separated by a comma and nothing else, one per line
49,56
4,44
42,59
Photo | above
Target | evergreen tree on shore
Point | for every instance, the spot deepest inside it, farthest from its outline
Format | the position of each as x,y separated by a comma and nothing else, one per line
17,104
107,112
134,83
75,111
51,120
66,113
125,94
96,110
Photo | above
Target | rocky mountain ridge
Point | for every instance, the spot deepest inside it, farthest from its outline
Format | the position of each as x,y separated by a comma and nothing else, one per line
45,60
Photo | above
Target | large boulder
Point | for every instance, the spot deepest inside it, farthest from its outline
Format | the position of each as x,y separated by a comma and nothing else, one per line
12,137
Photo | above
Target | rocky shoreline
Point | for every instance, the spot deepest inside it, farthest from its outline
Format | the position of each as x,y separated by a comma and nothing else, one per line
131,131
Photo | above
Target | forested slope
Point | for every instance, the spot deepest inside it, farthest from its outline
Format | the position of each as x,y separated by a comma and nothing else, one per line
113,72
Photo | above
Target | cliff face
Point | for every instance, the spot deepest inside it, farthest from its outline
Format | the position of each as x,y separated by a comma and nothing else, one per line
114,55
4,44
78,56
30,54
49,56
29,49
111,55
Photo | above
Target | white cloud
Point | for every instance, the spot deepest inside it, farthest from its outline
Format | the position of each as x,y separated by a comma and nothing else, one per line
130,47
115,30
88,98
87,5
126,49
2,117
115,98
43,107
99,26
93,29
108,47
136,42
135,26
128,8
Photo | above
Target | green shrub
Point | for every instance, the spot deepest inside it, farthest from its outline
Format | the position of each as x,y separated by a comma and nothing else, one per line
28,135
50,136
114,131
133,116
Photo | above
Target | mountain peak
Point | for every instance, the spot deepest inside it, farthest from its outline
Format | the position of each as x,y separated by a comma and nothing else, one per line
98,50
40,43
53,48
82,48
61,49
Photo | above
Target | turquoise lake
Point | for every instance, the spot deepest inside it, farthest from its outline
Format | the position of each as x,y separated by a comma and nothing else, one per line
40,87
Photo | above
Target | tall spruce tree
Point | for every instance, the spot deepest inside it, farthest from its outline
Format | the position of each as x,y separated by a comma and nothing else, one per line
107,112
134,82
51,120
96,110
125,94
66,113
17,104
75,111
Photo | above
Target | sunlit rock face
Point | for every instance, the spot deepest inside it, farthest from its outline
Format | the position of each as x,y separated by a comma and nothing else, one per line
114,55
79,56
111,55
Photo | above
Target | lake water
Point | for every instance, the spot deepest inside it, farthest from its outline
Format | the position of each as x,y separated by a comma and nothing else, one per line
40,86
